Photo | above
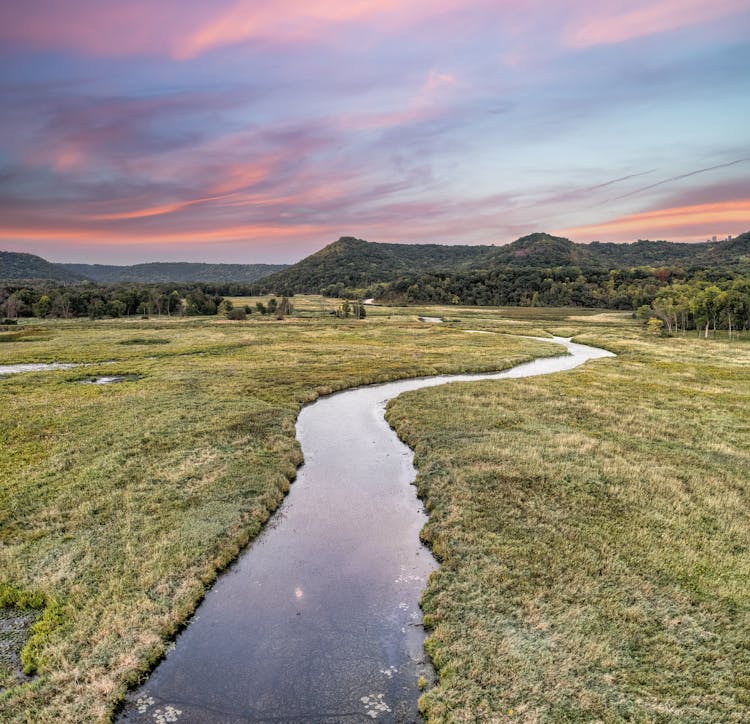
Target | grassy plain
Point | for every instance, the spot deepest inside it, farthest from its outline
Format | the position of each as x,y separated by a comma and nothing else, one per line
119,503
593,529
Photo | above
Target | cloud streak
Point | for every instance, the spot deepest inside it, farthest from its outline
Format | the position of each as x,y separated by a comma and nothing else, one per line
679,177
603,26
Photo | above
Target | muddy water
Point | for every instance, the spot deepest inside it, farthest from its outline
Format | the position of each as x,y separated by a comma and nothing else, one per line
318,621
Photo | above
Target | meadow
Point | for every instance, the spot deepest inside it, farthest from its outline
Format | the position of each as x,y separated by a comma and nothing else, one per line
592,526
593,530
120,503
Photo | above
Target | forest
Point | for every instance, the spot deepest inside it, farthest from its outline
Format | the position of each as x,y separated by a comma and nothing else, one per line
46,299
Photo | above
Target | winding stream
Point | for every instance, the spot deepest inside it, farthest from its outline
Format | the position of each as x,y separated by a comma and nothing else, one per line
318,620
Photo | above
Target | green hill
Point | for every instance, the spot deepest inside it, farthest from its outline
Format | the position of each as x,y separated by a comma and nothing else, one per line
540,250
546,251
159,272
351,265
730,251
645,253
356,264
19,266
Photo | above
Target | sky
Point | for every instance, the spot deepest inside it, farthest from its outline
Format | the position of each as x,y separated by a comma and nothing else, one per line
257,131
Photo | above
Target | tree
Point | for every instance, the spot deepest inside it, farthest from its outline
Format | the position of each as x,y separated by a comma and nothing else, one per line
705,307
285,306
236,313
42,307
97,309
655,326
117,308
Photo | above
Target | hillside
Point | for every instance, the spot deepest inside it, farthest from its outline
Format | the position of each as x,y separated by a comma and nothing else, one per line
669,253
540,250
355,263
350,266
158,272
17,265
646,253
541,270
730,251
546,251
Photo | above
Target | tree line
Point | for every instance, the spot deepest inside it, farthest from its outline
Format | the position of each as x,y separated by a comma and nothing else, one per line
627,289
701,305
65,301
98,301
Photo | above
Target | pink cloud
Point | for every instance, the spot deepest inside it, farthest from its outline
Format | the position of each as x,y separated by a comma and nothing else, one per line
101,28
184,30
606,25
290,20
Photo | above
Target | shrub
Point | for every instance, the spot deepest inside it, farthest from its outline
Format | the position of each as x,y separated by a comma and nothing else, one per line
237,314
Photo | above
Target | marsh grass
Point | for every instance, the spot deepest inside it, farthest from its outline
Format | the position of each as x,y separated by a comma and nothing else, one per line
593,529
120,503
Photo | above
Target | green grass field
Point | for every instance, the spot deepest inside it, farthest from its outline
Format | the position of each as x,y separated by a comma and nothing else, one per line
119,503
593,529
592,525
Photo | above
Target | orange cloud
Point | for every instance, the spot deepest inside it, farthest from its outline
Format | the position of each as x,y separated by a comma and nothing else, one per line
151,211
694,221
85,236
649,19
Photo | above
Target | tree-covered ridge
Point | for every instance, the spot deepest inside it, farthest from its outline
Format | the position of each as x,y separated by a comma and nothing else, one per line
354,263
15,266
354,267
161,272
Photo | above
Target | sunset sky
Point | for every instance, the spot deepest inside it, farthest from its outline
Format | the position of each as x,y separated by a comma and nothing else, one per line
254,131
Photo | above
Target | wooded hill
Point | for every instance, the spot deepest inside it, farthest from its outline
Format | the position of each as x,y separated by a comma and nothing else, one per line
18,266
15,265
351,263
161,272
355,267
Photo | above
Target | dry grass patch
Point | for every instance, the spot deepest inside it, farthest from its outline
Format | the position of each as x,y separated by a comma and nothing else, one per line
594,532
121,502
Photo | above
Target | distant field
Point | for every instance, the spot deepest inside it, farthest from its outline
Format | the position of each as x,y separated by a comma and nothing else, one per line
119,503
594,533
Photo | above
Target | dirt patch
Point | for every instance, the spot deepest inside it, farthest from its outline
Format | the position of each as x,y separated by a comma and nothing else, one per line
145,340
14,632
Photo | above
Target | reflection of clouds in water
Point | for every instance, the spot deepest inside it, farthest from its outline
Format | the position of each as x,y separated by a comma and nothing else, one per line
375,705
168,714
143,703
389,672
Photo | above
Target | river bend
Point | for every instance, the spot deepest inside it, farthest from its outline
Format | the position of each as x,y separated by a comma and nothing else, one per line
318,620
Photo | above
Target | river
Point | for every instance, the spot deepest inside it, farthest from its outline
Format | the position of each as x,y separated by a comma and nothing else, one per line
318,620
